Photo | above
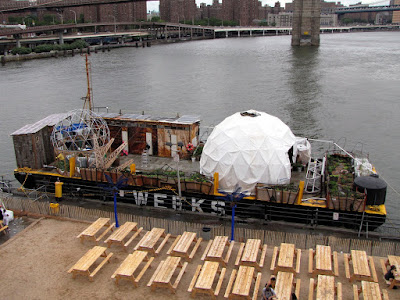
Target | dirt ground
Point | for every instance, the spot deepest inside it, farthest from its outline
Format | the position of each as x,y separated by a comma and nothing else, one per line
36,260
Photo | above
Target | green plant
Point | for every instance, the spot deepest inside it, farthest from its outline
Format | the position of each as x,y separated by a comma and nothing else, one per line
196,176
21,50
199,149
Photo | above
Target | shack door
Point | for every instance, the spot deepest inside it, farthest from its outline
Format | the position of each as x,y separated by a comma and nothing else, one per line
149,142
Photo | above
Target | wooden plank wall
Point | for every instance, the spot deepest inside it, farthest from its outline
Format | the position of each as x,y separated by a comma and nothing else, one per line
271,238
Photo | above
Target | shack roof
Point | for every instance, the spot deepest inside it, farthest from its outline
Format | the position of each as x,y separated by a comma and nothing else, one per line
50,120
53,119
185,119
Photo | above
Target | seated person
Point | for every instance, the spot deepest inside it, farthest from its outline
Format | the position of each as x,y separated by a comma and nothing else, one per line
389,276
268,293
272,282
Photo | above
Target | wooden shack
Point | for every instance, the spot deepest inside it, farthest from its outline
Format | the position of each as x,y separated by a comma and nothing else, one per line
32,144
162,136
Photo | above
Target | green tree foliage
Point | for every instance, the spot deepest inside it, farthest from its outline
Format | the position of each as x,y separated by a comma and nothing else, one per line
156,19
49,47
347,21
81,18
21,50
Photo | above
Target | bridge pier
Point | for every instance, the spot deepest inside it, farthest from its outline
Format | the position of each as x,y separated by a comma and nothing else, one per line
306,23
60,37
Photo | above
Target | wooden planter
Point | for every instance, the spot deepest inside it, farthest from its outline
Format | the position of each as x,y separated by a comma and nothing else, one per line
289,197
207,188
151,181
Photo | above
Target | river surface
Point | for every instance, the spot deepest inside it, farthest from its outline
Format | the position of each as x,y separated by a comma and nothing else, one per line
346,90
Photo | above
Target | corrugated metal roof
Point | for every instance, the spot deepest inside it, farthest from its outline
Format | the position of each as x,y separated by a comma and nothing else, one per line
135,117
188,119
107,115
50,120
53,119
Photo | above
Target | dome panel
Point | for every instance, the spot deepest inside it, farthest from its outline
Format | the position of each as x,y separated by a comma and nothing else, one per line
248,148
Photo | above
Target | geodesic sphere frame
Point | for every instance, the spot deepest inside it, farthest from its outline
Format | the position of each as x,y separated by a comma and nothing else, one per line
76,133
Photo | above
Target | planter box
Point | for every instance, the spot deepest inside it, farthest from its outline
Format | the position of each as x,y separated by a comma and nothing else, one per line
151,181
289,197
207,188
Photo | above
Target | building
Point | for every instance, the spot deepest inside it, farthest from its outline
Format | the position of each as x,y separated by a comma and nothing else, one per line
396,14
244,12
213,11
178,10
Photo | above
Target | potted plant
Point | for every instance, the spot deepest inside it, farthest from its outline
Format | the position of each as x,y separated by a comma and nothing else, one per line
197,152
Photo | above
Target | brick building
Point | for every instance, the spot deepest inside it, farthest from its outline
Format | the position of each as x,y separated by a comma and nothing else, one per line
178,10
242,11
213,11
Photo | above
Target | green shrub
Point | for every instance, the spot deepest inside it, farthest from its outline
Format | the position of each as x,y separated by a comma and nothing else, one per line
43,48
21,50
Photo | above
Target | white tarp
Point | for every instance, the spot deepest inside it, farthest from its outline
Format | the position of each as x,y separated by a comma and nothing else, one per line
247,149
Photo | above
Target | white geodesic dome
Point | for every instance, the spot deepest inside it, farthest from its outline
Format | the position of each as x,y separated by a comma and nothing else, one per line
248,148
76,133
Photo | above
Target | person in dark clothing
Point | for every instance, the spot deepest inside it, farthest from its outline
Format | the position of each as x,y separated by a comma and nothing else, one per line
389,276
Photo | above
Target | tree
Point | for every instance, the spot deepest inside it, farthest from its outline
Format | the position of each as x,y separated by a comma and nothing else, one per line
114,188
233,198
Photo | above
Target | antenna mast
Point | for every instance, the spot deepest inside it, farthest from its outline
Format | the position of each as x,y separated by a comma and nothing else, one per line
88,99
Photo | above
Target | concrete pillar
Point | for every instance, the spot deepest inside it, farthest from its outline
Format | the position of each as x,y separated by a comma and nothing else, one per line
306,23
238,33
60,37
251,32
17,38
226,34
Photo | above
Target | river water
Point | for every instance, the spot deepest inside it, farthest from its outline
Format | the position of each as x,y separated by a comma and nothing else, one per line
346,90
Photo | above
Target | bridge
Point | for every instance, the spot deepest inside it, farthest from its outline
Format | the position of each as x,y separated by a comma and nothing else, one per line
155,29
360,9
17,6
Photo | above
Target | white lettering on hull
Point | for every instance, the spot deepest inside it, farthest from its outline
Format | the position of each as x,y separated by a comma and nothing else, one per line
139,198
158,202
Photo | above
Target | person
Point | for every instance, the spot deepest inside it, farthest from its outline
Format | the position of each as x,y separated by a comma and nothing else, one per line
5,216
268,293
293,297
272,282
389,276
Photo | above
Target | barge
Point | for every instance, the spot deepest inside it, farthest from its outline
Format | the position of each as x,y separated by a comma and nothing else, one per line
251,164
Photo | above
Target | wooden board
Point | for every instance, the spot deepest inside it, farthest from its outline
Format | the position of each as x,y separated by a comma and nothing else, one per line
284,285
371,290
360,263
185,242
207,275
286,255
89,258
244,279
150,239
95,227
323,258
217,247
121,232
250,251
168,269
325,287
